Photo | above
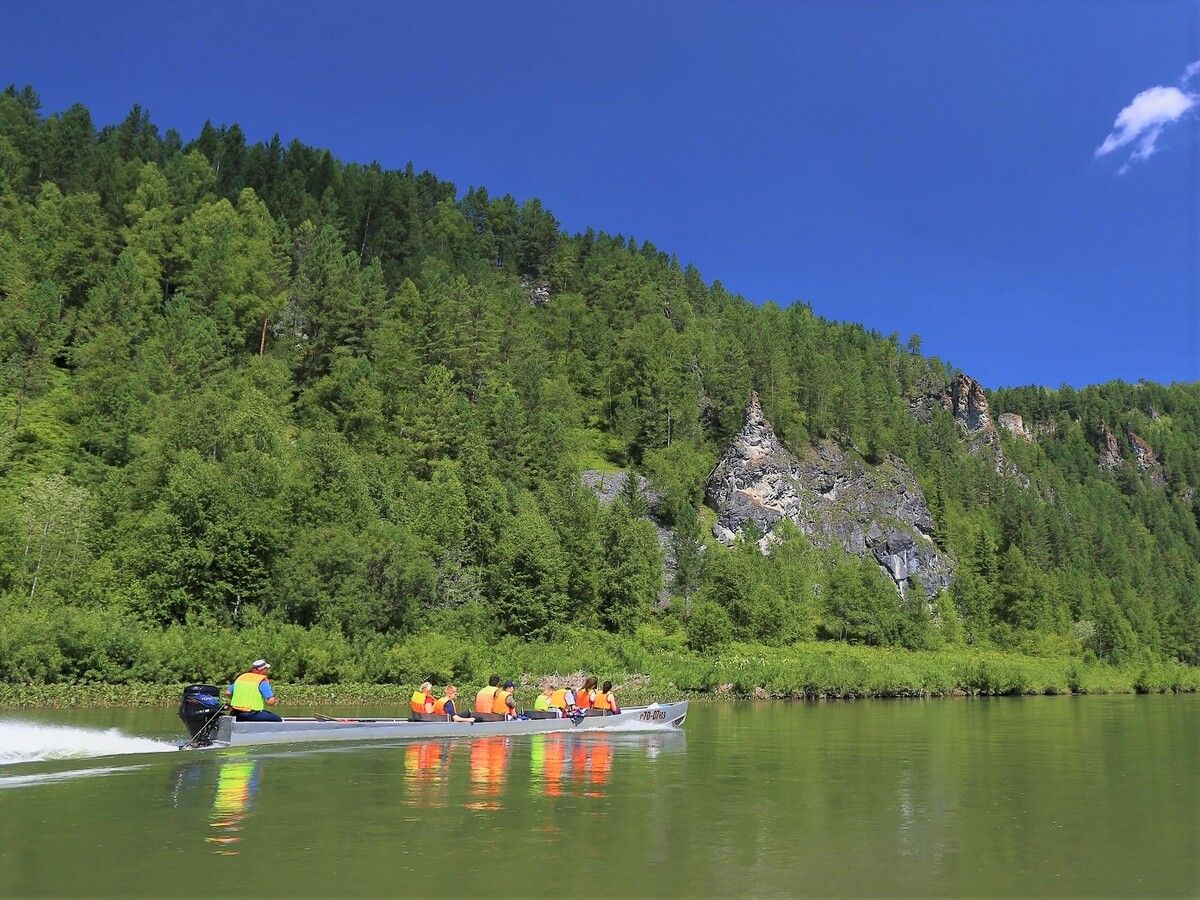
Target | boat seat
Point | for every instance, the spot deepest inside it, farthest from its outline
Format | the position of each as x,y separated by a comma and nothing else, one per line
538,714
489,717
428,717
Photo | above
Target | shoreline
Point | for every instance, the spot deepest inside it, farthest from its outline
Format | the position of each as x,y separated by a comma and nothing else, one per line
82,696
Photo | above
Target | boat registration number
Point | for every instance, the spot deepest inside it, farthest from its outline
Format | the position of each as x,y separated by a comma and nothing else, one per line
653,715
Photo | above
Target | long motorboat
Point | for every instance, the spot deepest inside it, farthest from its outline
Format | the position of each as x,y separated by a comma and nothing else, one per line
214,727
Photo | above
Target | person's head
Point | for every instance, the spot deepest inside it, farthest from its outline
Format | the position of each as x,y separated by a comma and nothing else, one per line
548,690
494,681
607,687
451,691
260,666
509,685
589,683
426,687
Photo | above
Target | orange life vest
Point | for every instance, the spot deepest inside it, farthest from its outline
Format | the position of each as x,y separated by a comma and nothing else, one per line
500,702
583,699
484,699
439,705
418,701
602,701
559,699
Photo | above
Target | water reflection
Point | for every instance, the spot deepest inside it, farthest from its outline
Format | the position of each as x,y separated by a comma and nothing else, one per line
426,765
489,768
237,783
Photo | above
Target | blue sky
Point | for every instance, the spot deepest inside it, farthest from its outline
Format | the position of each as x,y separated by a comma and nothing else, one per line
918,167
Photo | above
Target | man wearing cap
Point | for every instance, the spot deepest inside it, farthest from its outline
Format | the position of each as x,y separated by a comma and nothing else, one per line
503,703
251,694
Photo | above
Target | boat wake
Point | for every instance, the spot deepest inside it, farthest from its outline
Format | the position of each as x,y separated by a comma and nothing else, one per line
24,742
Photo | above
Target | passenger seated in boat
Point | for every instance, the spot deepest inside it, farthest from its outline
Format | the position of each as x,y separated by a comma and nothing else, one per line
562,699
251,694
446,706
422,701
503,703
541,706
606,701
585,697
485,699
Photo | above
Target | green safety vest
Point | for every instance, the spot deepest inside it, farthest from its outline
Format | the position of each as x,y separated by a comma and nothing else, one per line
246,695
542,703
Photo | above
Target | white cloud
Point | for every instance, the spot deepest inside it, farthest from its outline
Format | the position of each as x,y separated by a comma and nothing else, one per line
1142,122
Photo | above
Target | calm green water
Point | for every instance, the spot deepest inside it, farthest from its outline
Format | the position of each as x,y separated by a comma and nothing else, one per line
1049,796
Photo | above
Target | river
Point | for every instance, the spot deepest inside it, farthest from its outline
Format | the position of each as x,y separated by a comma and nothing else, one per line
1046,796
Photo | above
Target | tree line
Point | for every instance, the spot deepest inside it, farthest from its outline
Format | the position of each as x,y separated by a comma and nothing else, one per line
246,384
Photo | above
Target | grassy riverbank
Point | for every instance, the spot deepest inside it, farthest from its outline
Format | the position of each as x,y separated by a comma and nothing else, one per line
799,671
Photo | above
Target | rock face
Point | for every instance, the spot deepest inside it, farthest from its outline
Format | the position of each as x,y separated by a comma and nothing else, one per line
831,496
969,404
607,487
1014,425
966,401
537,293
1110,450
1145,460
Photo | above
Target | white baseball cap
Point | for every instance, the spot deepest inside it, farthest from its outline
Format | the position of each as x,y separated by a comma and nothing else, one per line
260,664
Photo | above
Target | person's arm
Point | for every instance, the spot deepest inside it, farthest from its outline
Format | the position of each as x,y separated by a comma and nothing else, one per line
229,690
264,688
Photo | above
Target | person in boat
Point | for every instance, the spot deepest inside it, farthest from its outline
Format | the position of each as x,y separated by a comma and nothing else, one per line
563,700
251,694
606,701
542,703
503,703
486,698
422,700
446,705
585,697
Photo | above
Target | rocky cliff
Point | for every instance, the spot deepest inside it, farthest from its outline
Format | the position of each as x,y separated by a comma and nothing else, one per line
1111,455
967,402
833,497
1014,424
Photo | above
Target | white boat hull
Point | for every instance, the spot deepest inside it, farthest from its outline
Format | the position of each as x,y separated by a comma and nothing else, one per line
231,733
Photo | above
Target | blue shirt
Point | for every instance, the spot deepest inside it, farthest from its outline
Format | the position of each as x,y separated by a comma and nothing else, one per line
449,708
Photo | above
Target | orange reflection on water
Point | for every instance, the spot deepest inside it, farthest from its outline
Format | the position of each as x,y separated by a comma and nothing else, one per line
489,764
426,763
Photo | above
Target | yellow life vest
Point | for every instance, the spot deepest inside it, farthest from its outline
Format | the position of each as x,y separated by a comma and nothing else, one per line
559,699
246,695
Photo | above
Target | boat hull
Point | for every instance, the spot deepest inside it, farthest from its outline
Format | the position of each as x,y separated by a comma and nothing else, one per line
232,733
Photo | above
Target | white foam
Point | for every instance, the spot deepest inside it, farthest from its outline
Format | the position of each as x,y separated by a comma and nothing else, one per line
15,781
22,742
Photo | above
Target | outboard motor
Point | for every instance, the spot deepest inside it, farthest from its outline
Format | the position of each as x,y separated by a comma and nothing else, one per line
199,708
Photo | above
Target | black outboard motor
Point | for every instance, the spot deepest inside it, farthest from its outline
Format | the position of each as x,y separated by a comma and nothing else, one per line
199,708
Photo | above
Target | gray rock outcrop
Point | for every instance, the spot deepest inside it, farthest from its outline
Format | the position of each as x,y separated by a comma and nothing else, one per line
537,293
1108,447
833,497
967,402
1014,424
1145,459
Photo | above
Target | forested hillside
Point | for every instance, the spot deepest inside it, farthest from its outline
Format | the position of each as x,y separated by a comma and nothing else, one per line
258,389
